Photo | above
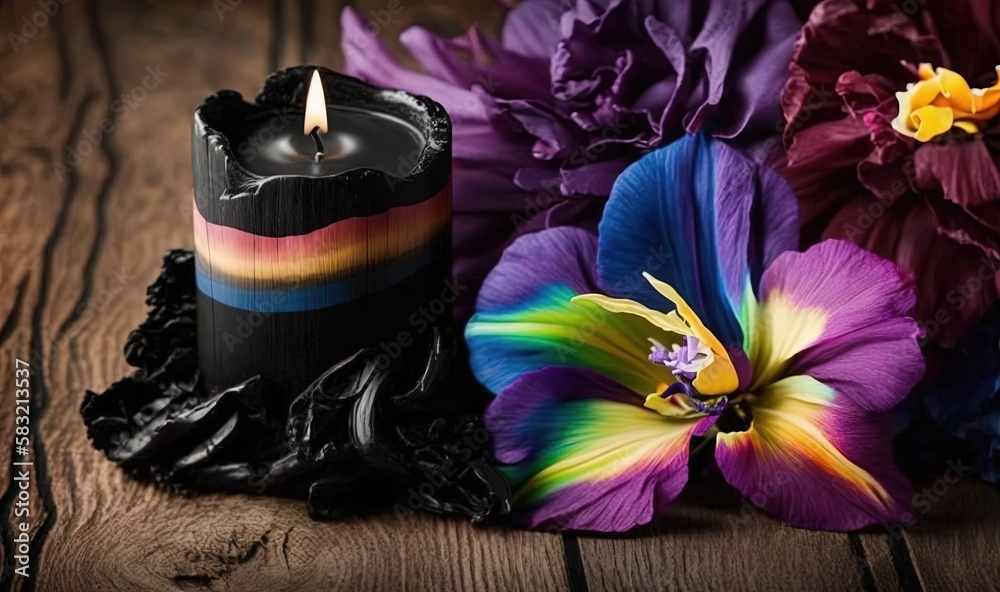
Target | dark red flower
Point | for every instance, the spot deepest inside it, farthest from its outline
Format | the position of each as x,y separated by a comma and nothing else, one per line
933,207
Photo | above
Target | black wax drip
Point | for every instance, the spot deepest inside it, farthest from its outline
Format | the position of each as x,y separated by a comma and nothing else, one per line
360,436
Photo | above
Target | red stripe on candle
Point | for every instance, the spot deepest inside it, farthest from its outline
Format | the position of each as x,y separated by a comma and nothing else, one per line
340,249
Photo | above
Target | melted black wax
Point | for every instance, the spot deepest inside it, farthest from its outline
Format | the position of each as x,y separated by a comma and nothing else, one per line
404,434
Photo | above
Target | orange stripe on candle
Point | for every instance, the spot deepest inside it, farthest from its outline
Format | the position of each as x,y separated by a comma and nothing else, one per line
340,249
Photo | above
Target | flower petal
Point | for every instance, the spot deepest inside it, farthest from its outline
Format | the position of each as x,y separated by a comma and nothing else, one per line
815,460
526,318
666,321
583,452
956,283
721,377
487,203
843,312
966,172
698,201
366,57
532,28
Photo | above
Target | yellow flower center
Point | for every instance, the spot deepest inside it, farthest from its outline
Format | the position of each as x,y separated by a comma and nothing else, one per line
941,100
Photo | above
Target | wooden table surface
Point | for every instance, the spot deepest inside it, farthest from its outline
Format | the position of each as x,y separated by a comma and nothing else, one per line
79,244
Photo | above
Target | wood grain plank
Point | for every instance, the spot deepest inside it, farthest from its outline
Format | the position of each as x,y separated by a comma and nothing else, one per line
879,560
714,540
40,197
955,543
236,543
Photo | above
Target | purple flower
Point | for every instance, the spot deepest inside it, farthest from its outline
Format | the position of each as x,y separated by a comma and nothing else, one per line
546,119
787,361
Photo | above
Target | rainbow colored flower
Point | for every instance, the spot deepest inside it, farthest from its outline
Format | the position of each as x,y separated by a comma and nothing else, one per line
690,316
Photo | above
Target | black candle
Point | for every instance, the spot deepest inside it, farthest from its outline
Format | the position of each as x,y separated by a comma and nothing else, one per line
312,246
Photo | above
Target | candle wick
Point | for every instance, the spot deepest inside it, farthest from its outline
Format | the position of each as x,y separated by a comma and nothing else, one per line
319,143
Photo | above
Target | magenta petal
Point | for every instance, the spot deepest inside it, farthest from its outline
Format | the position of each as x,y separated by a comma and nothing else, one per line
876,367
868,345
815,460
581,453
863,304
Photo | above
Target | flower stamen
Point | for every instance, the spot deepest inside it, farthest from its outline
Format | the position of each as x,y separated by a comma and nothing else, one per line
684,360
684,387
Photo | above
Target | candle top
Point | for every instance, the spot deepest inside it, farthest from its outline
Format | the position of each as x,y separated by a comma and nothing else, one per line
253,160
332,140
355,139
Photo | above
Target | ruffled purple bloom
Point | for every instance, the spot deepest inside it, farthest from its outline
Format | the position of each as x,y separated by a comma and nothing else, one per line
546,119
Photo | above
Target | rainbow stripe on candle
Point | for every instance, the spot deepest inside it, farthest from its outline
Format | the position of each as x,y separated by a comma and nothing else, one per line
329,266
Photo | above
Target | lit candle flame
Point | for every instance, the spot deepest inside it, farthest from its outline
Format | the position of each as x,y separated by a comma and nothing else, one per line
315,106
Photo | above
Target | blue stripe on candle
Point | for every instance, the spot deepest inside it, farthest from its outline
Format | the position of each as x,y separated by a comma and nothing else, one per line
263,300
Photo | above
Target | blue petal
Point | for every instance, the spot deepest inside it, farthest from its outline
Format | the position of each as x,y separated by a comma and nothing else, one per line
526,318
701,217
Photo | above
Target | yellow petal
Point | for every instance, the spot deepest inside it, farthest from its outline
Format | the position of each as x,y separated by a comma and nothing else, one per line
923,93
666,321
776,331
967,126
902,121
986,98
678,406
720,378
925,71
931,121
942,99
792,427
983,115
954,88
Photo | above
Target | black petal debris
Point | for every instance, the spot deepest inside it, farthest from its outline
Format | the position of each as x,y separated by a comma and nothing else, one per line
406,435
